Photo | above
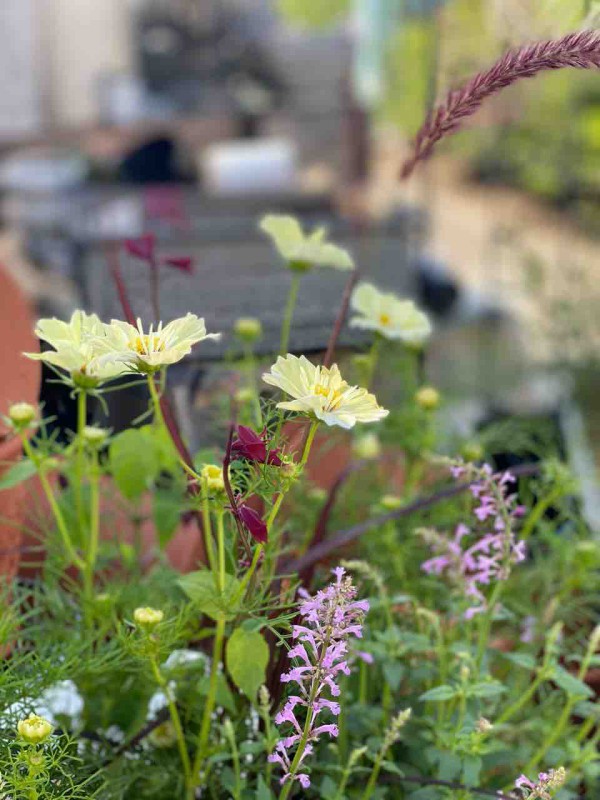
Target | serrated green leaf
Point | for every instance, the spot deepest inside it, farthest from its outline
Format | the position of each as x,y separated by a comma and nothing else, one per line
202,590
166,511
438,694
570,684
247,658
450,766
471,770
19,472
393,673
524,660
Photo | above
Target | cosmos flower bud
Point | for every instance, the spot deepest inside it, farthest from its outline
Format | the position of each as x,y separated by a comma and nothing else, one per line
148,618
367,447
472,451
248,329
244,395
95,436
164,735
212,478
391,502
34,729
21,415
427,398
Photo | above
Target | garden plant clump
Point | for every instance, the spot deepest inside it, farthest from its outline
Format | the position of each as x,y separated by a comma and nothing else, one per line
424,627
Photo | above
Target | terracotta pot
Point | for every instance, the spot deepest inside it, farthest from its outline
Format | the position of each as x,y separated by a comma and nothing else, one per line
20,382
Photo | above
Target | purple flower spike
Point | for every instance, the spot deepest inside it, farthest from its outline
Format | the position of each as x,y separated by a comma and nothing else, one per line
329,618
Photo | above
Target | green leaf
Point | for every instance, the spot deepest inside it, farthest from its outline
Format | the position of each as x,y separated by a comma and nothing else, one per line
471,770
570,684
439,693
393,673
328,788
262,790
524,660
449,766
201,588
18,473
224,696
486,689
134,461
166,510
247,658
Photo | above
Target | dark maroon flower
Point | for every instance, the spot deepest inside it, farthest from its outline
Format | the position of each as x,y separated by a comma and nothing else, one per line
252,446
254,523
142,247
184,263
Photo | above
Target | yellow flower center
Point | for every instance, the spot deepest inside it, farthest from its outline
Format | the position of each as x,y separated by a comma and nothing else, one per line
325,391
148,343
384,319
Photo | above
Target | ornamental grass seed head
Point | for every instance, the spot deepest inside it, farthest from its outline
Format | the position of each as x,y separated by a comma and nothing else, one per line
303,251
322,393
387,314
34,729
139,352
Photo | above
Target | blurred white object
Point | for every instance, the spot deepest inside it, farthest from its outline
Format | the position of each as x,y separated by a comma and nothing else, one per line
34,170
250,167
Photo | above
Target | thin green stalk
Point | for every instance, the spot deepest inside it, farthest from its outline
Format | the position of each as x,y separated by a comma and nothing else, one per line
373,360
209,705
221,550
523,699
92,552
486,624
286,325
538,511
275,510
253,386
175,719
557,730
235,755
80,459
155,397
372,782
58,515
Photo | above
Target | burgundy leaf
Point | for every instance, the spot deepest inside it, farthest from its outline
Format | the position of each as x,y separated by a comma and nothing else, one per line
254,523
252,446
142,247
184,263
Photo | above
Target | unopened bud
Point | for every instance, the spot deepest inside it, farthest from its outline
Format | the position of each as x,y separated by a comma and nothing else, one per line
95,436
472,451
484,725
427,398
367,447
391,502
212,477
248,329
34,729
148,618
21,415
244,395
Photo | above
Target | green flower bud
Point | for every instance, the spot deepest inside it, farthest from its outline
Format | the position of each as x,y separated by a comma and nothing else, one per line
21,415
367,447
212,477
35,729
95,436
427,398
472,451
148,618
391,502
248,329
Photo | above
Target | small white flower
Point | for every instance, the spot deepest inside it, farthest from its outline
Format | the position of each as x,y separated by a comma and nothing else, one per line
389,315
302,251
322,393
149,352
181,658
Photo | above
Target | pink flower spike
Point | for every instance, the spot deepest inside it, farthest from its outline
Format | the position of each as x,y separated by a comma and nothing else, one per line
142,247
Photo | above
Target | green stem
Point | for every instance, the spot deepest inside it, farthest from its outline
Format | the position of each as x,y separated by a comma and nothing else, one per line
538,511
209,705
221,550
253,386
235,755
80,460
286,325
523,699
92,553
373,359
58,515
176,720
275,510
372,782
155,397
486,624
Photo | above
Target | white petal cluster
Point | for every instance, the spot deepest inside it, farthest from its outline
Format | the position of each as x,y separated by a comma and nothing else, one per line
389,315
300,250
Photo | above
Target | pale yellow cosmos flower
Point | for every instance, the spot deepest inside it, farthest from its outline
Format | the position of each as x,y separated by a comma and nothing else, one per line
138,351
76,348
300,250
389,315
322,393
